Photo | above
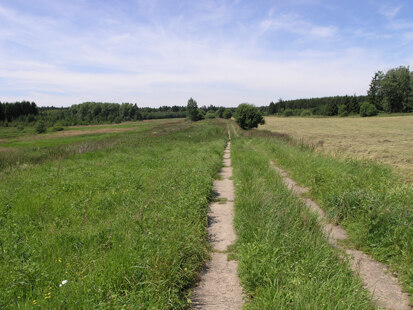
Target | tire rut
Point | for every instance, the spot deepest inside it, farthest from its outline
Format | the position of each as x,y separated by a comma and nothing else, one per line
383,286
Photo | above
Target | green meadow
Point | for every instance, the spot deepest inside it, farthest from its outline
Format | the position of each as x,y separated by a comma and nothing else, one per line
119,225
284,260
368,199
115,217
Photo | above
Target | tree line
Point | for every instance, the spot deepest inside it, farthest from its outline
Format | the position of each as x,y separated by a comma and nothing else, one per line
21,114
195,114
328,106
390,92
28,113
13,111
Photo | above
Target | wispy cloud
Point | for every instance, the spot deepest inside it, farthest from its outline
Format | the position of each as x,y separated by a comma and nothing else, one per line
295,25
159,52
390,12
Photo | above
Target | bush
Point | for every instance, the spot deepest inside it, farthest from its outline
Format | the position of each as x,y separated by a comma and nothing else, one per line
200,115
288,112
40,127
57,128
210,115
367,109
248,116
306,113
227,114
342,110
192,111
220,112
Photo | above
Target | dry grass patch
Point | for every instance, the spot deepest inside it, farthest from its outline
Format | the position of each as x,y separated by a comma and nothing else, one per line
387,140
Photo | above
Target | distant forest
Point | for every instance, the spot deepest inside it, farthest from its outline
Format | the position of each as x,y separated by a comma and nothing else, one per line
390,92
317,106
28,113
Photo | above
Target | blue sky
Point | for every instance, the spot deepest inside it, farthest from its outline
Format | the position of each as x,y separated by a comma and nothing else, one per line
220,52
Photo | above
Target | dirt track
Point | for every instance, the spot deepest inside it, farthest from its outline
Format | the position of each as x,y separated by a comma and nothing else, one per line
219,287
383,286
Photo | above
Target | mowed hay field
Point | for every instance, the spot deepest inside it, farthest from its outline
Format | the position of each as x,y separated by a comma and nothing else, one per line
387,140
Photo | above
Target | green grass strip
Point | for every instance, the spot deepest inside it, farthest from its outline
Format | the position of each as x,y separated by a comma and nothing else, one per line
124,225
368,199
284,261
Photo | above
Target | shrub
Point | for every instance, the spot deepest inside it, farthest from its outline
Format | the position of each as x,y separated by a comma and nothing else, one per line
210,115
40,127
57,128
227,114
248,116
367,109
220,112
306,113
288,112
200,115
192,111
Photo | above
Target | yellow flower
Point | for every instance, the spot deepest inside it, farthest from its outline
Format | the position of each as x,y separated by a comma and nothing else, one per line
34,302
60,260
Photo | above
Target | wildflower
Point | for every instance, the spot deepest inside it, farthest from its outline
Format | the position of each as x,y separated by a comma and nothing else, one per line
63,283
34,302
60,260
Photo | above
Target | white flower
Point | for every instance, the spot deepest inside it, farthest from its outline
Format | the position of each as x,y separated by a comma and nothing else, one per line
63,282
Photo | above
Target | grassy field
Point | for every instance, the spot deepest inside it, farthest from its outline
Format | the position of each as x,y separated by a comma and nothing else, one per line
369,199
121,215
387,140
284,260
122,221
17,147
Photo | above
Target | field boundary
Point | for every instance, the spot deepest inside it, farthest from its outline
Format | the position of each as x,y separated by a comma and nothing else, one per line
384,287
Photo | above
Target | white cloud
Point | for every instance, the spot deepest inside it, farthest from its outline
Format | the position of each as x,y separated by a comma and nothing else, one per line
167,60
390,12
294,24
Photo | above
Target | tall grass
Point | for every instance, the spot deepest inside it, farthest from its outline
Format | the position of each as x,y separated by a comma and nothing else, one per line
367,198
284,261
34,149
123,225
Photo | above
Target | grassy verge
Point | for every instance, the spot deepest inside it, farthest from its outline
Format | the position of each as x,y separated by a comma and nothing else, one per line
368,199
124,225
284,261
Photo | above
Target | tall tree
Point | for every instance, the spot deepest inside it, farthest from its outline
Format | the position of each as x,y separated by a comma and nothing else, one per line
396,87
375,92
331,108
272,108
